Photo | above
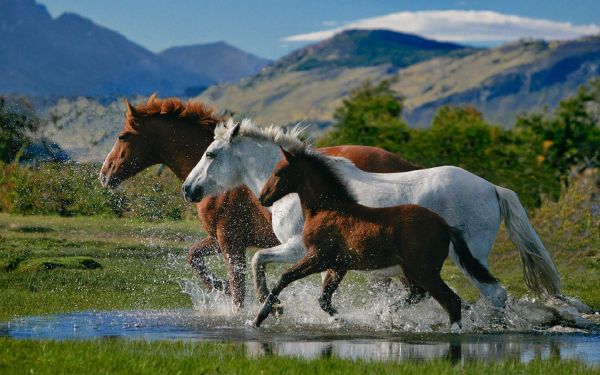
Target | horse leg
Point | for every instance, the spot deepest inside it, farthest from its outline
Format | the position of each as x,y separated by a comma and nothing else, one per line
480,248
442,293
306,266
206,247
332,280
290,252
233,248
416,293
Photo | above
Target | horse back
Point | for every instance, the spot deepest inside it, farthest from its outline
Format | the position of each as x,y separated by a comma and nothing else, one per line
371,159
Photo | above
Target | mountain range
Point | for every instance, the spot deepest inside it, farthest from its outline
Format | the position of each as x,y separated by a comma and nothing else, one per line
89,66
310,83
70,55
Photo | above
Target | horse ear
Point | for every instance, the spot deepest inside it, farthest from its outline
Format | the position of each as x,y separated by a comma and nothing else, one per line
287,155
234,131
131,111
153,97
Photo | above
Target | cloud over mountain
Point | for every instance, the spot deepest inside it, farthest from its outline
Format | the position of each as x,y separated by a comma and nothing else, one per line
460,26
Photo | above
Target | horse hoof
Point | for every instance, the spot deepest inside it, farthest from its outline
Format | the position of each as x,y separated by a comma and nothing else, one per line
277,311
456,327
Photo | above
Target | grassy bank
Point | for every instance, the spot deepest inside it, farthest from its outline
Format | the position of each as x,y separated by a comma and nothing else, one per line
131,264
138,357
51,264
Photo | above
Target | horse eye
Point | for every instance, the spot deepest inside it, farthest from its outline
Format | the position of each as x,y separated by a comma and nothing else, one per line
122,137
210,155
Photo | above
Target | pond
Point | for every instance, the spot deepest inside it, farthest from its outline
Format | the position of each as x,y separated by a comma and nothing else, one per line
523,331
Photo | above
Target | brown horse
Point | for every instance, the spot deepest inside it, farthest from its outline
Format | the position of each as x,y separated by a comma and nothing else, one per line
342,235
176,134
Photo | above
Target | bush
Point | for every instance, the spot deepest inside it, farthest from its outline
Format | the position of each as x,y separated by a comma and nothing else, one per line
532,159
70,189
15,130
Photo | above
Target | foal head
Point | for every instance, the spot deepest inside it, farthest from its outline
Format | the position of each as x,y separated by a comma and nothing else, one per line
314,176
160,131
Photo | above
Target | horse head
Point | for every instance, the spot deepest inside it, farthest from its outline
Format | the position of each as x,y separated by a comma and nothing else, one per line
163,131
219,168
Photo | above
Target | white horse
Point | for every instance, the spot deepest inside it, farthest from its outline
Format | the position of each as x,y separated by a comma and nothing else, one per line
246,154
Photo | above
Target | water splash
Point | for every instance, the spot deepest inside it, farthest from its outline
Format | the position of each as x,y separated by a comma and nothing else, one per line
378,312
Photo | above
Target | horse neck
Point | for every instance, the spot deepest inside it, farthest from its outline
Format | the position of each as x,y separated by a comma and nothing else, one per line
183,147
259,159
319,193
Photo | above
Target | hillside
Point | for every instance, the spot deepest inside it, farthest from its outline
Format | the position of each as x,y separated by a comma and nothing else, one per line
70,56
85,127
526,75
504,81
221,62
359,48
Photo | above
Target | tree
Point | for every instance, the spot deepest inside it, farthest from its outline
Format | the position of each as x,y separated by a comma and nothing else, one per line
570,136
15,130
370,116
458,135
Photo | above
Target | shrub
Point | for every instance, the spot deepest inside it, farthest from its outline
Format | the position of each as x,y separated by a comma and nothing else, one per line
532,159
70,189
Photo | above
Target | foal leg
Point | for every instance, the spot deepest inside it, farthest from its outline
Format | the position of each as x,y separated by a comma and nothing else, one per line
416,293
330,284
205,247
442,293
306,266
290,252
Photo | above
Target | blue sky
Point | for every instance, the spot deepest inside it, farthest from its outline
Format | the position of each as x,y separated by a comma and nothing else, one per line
273,28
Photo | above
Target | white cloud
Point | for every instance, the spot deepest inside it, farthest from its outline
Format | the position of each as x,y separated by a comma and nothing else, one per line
461,26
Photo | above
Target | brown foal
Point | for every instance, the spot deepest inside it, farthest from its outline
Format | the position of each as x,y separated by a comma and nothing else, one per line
342,235
176,134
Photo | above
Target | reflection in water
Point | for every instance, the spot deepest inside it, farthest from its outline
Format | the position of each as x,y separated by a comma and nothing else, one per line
454,351
308,341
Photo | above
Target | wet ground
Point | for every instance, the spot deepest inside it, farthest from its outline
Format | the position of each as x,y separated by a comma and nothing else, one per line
524,330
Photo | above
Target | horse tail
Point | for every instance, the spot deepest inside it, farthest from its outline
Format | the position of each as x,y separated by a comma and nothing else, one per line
467,261
541,275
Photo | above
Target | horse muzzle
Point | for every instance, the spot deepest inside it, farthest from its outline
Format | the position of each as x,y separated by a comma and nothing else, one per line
107,181
191,194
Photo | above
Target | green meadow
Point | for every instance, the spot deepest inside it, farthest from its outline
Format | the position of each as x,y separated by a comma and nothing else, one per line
52,264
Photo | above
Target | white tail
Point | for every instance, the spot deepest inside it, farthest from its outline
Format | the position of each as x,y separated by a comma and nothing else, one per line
540,273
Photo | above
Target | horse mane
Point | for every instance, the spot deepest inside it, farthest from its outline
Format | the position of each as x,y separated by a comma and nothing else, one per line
330,166
195,112
291,139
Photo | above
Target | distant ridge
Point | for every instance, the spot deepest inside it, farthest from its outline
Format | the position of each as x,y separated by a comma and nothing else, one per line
70,55
310,83
356,48
220,61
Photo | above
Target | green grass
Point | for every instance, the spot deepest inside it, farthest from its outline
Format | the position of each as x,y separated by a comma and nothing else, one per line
140,357
50,264
141,264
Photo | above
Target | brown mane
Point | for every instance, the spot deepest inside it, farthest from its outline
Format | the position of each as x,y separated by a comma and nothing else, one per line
325,167
195,112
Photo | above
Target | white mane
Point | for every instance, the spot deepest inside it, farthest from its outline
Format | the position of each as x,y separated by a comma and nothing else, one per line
289,139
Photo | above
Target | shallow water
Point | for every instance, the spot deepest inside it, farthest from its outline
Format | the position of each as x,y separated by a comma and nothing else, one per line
311,339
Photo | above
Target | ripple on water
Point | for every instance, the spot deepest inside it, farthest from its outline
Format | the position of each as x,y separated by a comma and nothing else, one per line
366,329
